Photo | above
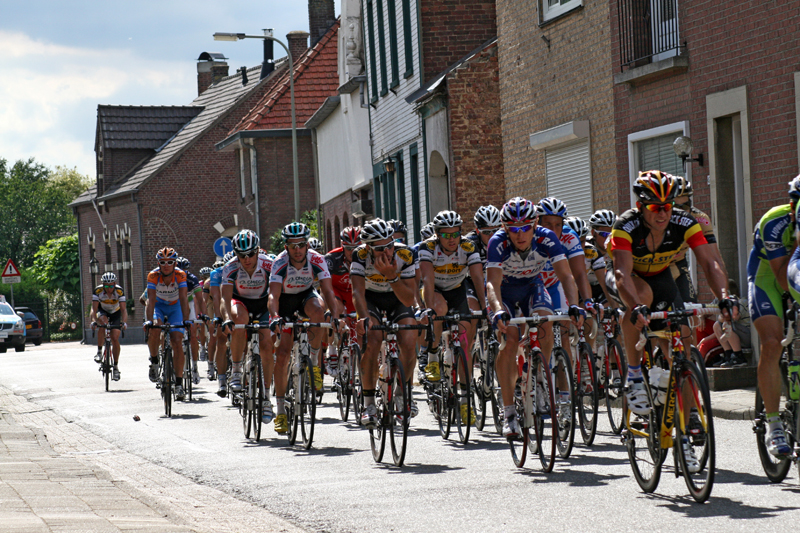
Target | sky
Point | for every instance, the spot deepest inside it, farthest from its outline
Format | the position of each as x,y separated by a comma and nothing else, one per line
60,59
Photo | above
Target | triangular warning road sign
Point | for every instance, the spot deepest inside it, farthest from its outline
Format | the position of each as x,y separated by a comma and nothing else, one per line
11,270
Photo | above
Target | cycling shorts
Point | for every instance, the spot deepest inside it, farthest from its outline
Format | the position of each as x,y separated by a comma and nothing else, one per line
114,319
346,297
665,290
289,304
256,307
169,314
764,293
558,298
527,298
597,294
684,281
456,300
387,302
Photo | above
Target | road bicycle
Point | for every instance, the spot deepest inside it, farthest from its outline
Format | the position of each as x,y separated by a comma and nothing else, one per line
188,368
166,380
561,367
107,362
393,395
683,404
253,393
343,383
777,468
613,367
485,388
586,392
535,395
301,402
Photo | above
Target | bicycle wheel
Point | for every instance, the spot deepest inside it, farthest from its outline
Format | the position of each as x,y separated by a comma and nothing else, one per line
307,408
519,445
107,365
643,442
565,413
544,420
445,401
187,370
246,407
461,391
342,384
399,407
613,384
356,386
377,436
697,358
699,436
775,468
586,395
291,401
480,398
166,381
258,399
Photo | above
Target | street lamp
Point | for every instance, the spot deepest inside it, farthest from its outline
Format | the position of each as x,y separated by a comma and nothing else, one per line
93,270
221,36
683,147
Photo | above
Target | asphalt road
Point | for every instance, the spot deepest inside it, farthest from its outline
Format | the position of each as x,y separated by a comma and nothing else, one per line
336,486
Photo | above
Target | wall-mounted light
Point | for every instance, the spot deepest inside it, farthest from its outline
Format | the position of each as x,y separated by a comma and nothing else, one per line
93,266
683,147
389,166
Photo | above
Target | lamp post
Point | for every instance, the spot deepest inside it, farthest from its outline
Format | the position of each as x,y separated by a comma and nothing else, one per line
221,36
93,270
683,147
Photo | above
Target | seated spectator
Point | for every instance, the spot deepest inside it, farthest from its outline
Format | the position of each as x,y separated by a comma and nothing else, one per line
724,348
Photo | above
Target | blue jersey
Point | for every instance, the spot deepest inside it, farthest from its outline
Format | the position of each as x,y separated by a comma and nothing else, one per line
522,269
572,248
215,278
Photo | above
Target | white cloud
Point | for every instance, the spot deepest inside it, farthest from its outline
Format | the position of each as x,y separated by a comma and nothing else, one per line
49,95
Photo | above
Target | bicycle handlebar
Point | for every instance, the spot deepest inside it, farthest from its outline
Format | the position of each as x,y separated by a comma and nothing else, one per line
694,310
533,321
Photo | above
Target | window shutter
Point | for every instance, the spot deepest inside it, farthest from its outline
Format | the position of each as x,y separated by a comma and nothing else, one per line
569,177
657,154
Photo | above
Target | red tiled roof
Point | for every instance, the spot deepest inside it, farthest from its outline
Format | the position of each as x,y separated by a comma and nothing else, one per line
316,77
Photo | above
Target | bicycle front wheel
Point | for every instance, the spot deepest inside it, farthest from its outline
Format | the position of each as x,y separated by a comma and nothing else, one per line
775,468
377,436
445,402
342,384
586,396
307,408
615,369
166,382
478,387
399,404
643,443
462,412
107,365
355,383
246,407
291,402
258,392
519,445
695,432
544,420
565,414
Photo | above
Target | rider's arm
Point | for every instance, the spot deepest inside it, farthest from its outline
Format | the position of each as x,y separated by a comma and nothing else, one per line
124,309
93,314
577,265
151,304
779,265
600,273
359,296
273,304
326,286
216,300
428,283
225,307
404,289
494,279
564,274
715,272
201,303
183,296
623,270
476,273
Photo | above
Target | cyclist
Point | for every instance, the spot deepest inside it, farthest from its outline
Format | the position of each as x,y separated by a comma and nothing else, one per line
517,253
291,292
446,260
339,260
400,230
167,303
773,247
212,305
245,284
487,222
205,272
384,280
425,233
644,240
193,290
597,260
108,308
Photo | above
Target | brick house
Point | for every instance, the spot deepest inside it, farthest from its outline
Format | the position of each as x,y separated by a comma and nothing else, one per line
407,45
557,102
160,182
260,143
727,75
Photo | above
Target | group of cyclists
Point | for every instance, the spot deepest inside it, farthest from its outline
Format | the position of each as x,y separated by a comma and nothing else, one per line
520,260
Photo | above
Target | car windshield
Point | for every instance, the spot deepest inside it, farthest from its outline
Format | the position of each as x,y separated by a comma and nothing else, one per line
5,309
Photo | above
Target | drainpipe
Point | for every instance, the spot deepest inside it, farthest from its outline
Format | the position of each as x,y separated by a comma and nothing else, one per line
249,143
315,159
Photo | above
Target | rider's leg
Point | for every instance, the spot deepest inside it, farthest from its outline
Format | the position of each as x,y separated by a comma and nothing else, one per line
176,339
115,345
281,369
770,333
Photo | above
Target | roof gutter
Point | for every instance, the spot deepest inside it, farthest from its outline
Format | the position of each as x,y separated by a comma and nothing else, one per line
230,143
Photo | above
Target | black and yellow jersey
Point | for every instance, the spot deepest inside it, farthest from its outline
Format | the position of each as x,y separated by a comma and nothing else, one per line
109,302
449,269
363,265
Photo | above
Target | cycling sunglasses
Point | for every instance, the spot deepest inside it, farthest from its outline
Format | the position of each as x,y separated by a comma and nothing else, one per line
108,286
167,262
452,235
296,245
383,247
401,240
490,231
350,248
603,234
248,254
658,208
523,229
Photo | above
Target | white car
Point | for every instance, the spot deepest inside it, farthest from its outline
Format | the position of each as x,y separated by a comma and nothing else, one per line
12,328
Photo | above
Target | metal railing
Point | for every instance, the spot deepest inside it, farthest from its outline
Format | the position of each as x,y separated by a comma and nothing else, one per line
648,31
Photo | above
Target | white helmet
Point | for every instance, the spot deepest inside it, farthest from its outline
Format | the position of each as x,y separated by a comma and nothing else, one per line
376,230
602,217
487,216
447,219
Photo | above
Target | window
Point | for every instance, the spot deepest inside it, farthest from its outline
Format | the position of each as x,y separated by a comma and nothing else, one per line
553,8
372,65
401,186
391,6
569,177
407,39
382,45
652,150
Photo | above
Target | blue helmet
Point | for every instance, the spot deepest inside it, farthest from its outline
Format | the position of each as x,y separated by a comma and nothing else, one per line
552,206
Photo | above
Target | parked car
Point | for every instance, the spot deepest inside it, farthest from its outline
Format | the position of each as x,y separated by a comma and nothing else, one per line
33,326
12,328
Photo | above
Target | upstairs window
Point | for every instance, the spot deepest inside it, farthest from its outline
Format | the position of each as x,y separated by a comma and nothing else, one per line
553,8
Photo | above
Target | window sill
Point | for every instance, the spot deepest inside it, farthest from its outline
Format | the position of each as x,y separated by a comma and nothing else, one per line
395,83
653,71
408,73
560,16
384,92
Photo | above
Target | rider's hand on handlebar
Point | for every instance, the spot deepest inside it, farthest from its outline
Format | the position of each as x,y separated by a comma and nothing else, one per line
640,316
147,324
729,307
124,325
362,325
227,326
590,307
577,315
275,324
499,320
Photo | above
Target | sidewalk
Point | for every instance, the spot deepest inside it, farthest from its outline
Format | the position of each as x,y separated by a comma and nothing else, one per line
736,404
56,476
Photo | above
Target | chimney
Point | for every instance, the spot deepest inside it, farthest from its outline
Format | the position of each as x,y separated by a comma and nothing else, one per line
298,43
321,16
211,67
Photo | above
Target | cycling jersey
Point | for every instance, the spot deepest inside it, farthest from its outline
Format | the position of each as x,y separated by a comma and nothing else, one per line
630,233
708,231
364,267
522,268
449,270
296,280
215,279
475,238
109,302
594,260
250,286
192,285
773,239
166,293
572,248
339,270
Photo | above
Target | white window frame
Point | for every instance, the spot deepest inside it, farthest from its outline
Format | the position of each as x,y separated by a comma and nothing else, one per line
678,128
549,13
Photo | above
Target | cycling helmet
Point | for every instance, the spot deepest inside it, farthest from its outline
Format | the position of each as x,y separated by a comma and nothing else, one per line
654,186
794,188
682,187
167,253
183,263
447,219
205,272
271,257
350,236
427,231
245,241
218,264
315,244
552,206
487,216
578,226
108,277
603,217
518,210
376,230
398,226
295,230
228,257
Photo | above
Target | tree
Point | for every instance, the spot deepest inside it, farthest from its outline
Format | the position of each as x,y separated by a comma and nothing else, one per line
34,202
309,218
56,265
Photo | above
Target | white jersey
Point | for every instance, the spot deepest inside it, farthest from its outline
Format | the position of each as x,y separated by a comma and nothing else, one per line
251,287
449,270
296,280
363,266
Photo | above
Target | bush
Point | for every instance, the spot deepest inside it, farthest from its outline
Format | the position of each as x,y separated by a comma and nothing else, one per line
309,218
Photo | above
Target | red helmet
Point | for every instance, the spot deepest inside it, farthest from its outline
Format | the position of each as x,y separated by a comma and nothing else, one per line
350,236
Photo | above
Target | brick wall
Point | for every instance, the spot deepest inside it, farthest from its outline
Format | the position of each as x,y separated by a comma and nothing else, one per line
475,134
450,29
544,85
117,162
336,212
321,16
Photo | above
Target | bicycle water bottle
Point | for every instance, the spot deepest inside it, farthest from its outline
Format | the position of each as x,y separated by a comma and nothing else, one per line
659,381
794,380
384,371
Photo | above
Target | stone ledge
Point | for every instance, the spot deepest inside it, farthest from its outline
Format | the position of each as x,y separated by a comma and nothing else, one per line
720,379
653,71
